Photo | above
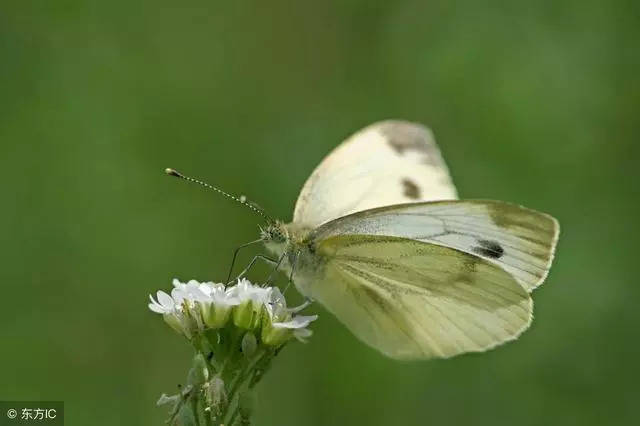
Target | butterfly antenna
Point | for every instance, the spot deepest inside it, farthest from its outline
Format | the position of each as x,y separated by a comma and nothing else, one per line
242,199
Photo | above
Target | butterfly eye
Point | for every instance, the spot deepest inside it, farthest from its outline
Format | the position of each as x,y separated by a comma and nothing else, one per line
274,233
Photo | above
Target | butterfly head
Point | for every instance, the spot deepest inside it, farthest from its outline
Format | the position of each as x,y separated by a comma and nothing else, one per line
275,232
275,237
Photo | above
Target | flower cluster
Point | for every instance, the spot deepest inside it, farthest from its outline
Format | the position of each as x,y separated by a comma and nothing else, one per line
236,332
194,307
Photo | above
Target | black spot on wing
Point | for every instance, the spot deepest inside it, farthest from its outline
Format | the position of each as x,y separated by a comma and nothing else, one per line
488,248
411,190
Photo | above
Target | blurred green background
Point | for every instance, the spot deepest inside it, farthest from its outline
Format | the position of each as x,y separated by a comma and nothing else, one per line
532,102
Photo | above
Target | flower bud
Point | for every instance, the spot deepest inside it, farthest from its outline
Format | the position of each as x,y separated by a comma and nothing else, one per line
249,344
275,336
199,373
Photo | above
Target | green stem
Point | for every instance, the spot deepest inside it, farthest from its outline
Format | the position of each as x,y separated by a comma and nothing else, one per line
236,385
242,387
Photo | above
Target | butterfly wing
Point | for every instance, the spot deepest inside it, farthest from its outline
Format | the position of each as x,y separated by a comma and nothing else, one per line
413,300
388,162
519,240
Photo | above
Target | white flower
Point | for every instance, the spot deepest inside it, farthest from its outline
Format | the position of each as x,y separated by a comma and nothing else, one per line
297,322
251,301
281,316
216,303
190,292
245,291
280,324
171,312
218,294
164,305
194,306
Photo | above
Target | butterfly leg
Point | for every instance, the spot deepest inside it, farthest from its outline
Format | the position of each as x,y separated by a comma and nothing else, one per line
293,269
307,301
253,261
273,273
235,254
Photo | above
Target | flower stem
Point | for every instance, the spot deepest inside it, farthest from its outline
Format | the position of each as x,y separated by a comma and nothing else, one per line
240,384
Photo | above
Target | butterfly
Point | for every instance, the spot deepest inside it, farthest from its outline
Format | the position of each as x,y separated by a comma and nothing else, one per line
381,240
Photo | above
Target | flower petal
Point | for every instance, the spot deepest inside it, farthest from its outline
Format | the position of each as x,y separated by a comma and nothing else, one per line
198,295
178,296
157,308
302,334
300,321
164,299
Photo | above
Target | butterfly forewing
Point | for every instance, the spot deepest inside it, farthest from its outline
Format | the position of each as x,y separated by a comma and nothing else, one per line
519,240
386,163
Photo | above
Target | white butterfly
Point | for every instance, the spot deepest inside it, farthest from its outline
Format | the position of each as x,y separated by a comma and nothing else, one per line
380,239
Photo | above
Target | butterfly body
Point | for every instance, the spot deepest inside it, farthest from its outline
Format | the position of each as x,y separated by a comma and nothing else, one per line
292,243
381,240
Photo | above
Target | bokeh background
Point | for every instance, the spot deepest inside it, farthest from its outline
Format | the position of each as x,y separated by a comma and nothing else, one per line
532,102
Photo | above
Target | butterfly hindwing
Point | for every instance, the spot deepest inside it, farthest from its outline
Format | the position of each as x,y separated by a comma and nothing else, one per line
413,300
